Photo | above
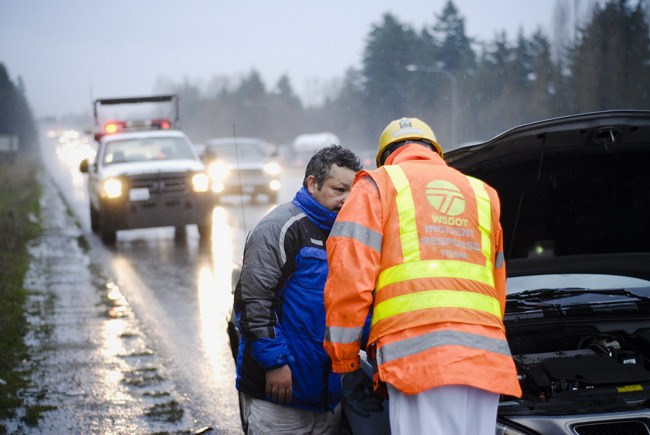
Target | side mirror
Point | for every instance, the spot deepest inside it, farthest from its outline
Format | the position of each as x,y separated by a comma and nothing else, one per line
83,166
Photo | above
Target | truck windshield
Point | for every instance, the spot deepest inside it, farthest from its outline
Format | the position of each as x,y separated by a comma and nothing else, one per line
144,149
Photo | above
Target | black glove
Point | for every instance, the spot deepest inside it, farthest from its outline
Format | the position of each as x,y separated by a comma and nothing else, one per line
358,393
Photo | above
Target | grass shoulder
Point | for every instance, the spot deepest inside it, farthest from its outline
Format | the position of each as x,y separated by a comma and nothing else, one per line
19,224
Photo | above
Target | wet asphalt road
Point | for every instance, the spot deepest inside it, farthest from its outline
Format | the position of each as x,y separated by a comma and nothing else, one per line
179,291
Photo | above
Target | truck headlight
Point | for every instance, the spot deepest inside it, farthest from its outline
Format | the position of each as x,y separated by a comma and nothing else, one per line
218,171
112,188
272,168
275,185
200,182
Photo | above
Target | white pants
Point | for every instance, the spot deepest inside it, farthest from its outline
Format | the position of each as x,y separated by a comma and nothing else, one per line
452,409
270,418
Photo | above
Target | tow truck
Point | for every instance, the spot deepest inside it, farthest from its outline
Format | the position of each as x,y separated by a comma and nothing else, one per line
146,173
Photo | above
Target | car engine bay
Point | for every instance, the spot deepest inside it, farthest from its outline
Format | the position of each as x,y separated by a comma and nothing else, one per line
572,364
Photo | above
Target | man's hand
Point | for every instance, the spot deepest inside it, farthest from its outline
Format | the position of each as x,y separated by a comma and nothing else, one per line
358,393
278,384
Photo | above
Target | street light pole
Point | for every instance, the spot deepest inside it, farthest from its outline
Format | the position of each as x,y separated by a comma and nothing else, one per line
453,96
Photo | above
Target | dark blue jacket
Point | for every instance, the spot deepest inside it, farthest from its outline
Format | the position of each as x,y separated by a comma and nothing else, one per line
279,304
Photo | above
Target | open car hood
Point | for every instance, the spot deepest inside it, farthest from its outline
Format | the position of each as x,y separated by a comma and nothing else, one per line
573,192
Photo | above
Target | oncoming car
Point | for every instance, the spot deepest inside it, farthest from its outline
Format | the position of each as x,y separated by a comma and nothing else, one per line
243,166
145,179
577,245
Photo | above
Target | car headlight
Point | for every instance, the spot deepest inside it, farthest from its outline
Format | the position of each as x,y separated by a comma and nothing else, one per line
275,185
112,188
218,170
272,168
200,182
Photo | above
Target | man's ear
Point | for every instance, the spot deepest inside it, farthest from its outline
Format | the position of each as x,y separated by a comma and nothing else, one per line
312,184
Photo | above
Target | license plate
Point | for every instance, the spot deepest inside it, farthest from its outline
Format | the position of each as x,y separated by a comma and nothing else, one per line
140,194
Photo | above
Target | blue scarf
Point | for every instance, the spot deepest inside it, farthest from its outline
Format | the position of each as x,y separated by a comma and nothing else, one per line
318,214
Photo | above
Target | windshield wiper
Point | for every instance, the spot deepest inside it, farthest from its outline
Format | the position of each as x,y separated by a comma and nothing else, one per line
541,295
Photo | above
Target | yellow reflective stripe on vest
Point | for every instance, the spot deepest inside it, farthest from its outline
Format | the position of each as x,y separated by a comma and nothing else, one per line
484,219
434,269
406,210
436,299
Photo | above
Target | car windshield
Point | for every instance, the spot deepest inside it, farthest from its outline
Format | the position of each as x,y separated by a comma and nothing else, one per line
577,281
145,149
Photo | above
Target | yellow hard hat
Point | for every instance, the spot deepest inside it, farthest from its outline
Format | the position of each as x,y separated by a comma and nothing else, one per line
404,129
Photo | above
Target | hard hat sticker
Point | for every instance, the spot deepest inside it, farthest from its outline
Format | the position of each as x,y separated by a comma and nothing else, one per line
407,131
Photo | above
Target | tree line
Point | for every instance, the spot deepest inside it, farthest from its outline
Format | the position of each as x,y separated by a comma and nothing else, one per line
467,90
16,118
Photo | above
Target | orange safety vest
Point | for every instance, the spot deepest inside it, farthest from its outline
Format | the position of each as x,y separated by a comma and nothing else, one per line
432,253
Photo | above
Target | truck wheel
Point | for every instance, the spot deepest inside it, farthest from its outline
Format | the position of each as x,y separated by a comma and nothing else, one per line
94,220
108,231
205,231
180,232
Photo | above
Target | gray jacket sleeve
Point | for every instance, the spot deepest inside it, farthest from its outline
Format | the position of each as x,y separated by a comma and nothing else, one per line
256,293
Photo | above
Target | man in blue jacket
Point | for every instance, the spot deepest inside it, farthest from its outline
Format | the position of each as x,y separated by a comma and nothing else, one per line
282,365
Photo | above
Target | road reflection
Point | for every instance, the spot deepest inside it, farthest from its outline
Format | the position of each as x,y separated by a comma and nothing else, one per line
179,290
214,292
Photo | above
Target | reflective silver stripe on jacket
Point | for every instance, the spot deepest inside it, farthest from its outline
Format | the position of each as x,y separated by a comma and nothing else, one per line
411,346
358,232
283,233
499,260
343,335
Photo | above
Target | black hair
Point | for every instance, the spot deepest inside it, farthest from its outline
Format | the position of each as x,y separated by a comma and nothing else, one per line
320,164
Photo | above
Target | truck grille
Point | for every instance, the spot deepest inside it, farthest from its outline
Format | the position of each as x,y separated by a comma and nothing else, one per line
171,184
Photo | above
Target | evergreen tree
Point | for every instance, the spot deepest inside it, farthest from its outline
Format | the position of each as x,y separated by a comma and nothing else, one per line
451,71
286,111
455,53
346,112
544,76
389,50
492,110
16,117
611,62
285,91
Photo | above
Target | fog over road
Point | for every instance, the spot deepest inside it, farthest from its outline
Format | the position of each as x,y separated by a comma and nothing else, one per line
180,290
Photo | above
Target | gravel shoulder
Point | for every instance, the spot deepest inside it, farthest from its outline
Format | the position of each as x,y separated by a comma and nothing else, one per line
93,370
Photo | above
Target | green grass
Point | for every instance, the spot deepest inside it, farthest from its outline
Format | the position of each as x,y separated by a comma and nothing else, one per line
168,411
19,204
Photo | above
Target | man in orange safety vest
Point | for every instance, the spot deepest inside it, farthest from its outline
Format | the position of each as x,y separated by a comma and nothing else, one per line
419,245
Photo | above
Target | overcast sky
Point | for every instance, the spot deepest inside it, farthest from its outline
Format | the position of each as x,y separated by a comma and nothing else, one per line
69,52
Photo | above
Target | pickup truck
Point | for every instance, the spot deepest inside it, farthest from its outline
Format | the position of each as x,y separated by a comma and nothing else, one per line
146,173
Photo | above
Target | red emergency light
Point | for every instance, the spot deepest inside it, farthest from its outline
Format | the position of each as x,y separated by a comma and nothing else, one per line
163,124
112,127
